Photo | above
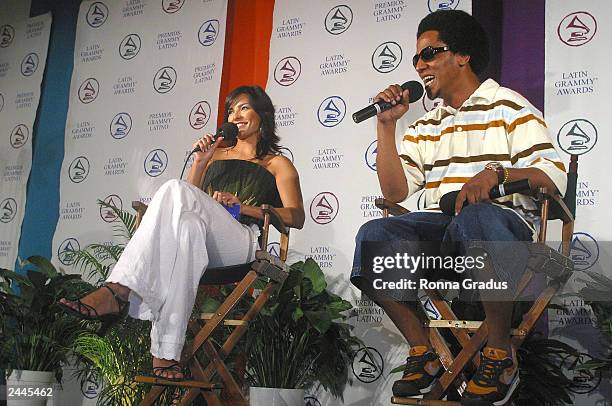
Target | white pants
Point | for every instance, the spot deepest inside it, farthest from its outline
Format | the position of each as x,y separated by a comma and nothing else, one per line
183,232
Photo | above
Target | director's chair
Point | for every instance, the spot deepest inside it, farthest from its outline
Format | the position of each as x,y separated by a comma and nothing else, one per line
472,335
266,266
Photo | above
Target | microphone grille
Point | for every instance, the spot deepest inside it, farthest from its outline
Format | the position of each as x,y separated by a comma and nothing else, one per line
229,131
415,89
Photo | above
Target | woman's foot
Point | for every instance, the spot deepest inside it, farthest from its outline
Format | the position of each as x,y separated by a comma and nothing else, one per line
109,299
167,369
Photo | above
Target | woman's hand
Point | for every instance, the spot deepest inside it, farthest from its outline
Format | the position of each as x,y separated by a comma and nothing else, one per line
207,148
226,198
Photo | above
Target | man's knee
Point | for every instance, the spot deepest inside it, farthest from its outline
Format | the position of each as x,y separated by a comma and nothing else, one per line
478,221
373,230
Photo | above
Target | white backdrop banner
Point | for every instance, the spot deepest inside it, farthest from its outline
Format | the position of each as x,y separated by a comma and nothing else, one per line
578,83
145,86
326,62
23,55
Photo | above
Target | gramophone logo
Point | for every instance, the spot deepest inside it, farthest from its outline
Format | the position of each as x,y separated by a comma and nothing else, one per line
130,46
577,136
387,57
324,208
577,29
172,6
338,19
29,64
311,401
199,115
368,364
370,155
274,249
429,104
88,91
155,163
207,35
78,169
164,79
120,125
8,210
435,5
108,214
97,14
19,136
430,308
331,111
286,152
7,34
66,250
583,380
584,251
90,387
287,71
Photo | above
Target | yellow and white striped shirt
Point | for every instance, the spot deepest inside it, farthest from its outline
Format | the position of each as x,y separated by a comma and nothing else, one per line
445,148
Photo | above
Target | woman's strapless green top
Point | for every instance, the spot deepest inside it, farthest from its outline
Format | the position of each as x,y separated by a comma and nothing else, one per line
252,183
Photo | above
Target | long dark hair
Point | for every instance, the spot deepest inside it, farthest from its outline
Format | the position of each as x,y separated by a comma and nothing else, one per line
261,103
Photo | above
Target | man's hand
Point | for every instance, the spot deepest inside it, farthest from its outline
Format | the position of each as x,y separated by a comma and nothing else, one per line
393,94
476,189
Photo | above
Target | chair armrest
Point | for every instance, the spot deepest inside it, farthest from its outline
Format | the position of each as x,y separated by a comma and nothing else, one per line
558,208
275,218
391,207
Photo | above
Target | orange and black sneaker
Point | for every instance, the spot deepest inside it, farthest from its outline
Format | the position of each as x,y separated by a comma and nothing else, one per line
494,381
422,367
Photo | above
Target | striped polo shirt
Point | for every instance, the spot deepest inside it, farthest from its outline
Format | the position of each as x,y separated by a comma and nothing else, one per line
446,147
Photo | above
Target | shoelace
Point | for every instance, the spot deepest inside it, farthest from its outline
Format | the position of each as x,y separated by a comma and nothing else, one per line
489,371
415,364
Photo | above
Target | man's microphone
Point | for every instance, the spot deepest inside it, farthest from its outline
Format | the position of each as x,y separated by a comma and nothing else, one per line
415,92
447,202
228,131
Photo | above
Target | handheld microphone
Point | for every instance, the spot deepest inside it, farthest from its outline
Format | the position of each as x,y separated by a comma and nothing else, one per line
227,130
447,202
415,92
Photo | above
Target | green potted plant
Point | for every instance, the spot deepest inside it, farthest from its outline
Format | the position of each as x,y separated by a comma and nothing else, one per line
35,335
299,340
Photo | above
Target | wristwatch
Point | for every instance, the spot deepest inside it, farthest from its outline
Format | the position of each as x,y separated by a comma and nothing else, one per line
502,173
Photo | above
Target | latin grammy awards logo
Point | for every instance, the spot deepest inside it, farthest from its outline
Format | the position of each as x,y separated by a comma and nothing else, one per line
338,19
311,401
130,46
324,208
274,248
287,71
66,250
164,79
370,155
577,136
19,136
207,35
107,213
97,14
435,5
577,28
8,210
29,64
78,169
88,91
387,57
156,162
7,34
120,126
368,364
199,115
90,387
331,111
584,251
172,6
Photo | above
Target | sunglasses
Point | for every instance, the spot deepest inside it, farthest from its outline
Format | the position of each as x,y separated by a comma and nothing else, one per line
427,54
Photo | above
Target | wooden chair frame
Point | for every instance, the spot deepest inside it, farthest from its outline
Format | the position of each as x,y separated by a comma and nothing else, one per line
266,266
472,335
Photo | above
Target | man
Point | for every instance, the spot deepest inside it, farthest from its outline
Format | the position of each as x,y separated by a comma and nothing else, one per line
483,135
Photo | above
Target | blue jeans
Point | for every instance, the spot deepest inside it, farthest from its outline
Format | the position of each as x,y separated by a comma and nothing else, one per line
475,224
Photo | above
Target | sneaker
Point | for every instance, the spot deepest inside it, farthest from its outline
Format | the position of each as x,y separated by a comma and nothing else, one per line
422,368
495,380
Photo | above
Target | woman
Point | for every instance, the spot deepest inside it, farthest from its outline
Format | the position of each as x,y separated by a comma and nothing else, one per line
186,230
